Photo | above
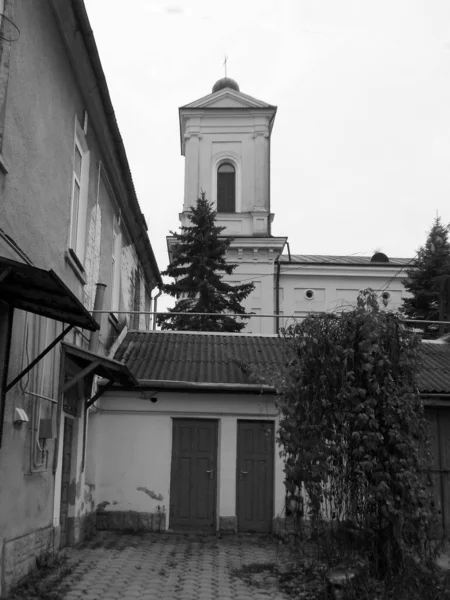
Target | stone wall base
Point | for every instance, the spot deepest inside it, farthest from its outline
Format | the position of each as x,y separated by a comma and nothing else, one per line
228,524
118,520
80,528
20,554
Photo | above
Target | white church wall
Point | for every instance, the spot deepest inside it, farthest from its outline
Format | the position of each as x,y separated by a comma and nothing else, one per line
304,291
257,266
244,140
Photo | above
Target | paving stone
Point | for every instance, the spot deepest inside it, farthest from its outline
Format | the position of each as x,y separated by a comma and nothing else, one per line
171,567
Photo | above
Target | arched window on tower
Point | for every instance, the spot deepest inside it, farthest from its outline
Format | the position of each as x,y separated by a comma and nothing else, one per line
226,188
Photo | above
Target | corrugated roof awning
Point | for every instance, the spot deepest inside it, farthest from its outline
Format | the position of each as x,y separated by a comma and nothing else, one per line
42,292
90,363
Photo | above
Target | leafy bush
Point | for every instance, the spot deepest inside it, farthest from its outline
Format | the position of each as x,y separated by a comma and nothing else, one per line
354,435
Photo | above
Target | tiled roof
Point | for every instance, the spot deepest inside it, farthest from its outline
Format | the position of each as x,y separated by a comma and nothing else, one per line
215,358
316,259
434,374
196,357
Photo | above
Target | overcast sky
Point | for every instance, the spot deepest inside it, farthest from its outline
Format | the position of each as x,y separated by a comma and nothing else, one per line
361,142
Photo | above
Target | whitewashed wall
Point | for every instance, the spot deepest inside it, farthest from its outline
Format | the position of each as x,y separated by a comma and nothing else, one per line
335,288
132,447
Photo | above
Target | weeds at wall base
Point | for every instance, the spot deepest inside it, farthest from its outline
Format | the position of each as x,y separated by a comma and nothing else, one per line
45,582
317,557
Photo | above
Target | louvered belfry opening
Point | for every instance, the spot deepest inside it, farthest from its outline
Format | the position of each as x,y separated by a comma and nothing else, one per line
226,188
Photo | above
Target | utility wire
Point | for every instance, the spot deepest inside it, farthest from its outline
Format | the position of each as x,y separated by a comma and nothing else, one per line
396,274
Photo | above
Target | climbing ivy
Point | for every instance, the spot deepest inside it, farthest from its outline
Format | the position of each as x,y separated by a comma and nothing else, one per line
352,428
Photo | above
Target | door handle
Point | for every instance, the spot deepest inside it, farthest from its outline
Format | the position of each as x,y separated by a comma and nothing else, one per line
242,473
211,473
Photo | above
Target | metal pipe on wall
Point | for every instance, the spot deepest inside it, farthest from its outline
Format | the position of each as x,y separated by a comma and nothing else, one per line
155,308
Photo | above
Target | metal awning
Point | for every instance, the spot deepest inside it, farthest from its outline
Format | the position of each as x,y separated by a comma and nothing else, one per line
43,293
90,363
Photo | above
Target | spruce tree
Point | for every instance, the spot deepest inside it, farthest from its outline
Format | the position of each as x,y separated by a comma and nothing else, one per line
197,267
425,276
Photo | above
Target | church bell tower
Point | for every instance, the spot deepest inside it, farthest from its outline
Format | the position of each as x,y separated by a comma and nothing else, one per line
225,139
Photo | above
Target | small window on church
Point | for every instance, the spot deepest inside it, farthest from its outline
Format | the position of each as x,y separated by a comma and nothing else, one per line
226,188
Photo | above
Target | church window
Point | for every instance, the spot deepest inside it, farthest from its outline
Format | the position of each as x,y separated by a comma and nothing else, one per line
226,188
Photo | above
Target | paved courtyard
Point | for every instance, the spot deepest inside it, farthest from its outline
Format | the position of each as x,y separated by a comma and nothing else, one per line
174,566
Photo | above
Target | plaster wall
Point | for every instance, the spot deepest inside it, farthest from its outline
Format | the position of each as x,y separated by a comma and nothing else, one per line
261,299
335,288
38,151
27,484
132,447
243,139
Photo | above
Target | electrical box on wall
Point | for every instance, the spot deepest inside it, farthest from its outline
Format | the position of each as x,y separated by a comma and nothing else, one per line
47,429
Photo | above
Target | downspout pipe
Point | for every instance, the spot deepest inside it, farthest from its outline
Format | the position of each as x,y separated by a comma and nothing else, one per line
277,297
155,308
277,289
98,305
289,251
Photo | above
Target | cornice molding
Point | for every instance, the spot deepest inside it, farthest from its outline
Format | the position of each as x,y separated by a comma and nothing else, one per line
293,269
258,242
209,100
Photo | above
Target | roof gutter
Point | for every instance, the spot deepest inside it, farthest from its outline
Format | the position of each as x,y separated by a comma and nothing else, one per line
435,399
91,47
160,384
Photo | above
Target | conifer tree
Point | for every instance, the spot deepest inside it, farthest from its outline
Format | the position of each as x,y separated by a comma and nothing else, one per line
430,267
197,267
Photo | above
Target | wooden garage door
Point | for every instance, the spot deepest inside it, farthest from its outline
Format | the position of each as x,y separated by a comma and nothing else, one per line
193,475
439,419
255,476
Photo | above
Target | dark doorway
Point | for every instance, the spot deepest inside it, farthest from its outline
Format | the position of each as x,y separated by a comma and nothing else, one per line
255,475
193,475
65,480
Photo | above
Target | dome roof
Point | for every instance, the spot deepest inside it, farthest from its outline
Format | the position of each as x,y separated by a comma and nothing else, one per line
379,257
225,82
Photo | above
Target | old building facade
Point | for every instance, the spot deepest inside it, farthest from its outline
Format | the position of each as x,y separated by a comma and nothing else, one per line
213,427
69,220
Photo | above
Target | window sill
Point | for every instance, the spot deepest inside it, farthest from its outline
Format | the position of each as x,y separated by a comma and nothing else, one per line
75,265
3,167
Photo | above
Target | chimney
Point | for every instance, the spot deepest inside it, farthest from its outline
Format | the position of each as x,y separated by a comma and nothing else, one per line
98,305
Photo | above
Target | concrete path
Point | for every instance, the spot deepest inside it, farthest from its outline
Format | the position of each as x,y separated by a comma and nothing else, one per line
174,567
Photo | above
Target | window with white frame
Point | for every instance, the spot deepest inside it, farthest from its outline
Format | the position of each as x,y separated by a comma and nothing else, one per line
116,265
78,205
42,393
